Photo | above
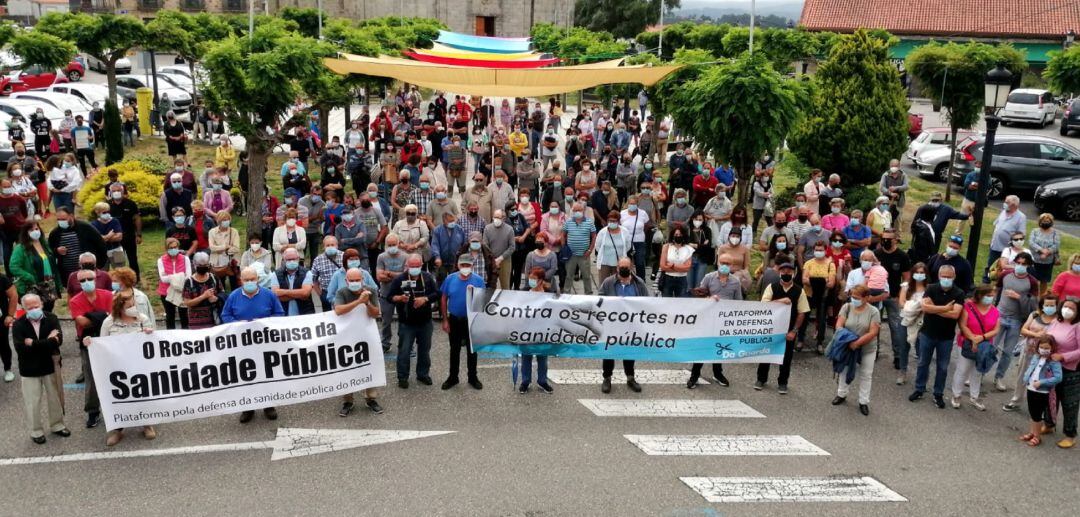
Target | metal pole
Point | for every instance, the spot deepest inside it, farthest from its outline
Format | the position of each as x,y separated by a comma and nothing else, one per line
753,11
319,8
984,185
251,19
660,49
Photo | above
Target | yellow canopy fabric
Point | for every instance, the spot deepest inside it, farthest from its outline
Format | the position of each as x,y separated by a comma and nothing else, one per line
491,82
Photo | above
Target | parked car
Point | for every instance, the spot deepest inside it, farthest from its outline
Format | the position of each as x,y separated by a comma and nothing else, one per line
29,78
1029,106
6,150
931,151
60,101
25,109
179,100
1060,197
1021,162
1071,118
123,65
200,72
74,71
914,124
90,93
175,81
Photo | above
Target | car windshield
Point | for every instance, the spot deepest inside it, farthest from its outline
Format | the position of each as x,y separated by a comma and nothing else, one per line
1023,98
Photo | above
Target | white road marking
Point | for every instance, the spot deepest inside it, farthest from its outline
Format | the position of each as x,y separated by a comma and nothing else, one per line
719,445
670,408
290,443
839,489
641,376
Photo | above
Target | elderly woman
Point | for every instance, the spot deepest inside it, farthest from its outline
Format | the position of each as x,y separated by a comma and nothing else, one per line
289,234
217,198
224,250
864,321
201,294
1045,243
125,318
173,269
123,282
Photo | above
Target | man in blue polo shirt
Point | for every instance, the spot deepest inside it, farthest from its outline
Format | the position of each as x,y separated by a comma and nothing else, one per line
580,236
251,302
455,320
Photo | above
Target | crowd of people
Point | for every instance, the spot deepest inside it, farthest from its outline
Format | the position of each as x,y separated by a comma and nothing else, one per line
513,197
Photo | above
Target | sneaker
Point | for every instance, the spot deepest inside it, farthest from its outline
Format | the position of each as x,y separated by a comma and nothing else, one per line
113,438
92,420
450,383
80,379
149,432
476,384
782,389
955,401
270,413
758,385
977,405
545,388
403,384
1010,406
633,385
939,401
9,376
721,380
246,416
1000,386
374,406
63,433
605,386
900,380
346,408
523,389
915,395
426,381
691,383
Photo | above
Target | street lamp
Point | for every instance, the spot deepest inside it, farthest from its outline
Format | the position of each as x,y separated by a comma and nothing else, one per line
998,84
1070,37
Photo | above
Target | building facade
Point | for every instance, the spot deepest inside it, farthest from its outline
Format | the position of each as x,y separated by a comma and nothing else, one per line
505,18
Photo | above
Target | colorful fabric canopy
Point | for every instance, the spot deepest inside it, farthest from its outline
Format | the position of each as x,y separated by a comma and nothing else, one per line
484,43
480,62
480,51
500,82
441,50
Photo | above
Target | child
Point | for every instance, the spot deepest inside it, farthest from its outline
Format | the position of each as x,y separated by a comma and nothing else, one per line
1041,375
54,143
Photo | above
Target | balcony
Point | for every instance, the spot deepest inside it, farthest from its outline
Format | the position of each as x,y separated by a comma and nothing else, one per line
234,6
193,5
150,5
97,6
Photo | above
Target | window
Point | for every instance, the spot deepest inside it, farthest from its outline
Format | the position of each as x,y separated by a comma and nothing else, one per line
1053,152
1023,98
1018,150
922,137
939,138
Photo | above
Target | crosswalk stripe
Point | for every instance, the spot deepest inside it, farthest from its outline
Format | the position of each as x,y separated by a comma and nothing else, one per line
641,376
721,445
670,408
836,489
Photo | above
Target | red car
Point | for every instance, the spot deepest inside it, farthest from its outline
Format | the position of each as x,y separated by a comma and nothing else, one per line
74,71
914,125
29,78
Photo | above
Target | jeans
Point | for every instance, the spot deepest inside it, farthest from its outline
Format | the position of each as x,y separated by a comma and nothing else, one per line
897,332
63,199
674,287
459,338
1006,343
526,369
928,347
407,335
696,273
785,367
640,249
386,307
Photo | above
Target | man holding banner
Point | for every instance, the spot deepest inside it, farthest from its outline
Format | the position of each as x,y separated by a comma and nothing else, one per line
251,302
347,299
623,283
787,292
718,285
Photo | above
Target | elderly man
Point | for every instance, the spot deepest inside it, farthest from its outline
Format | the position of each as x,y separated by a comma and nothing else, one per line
1010,221
323,268
719,285
38,336
446,240
251,302
479,196
293,162
942,304
346,299
174,196
388,266
816,234
413,233
436,210
291,283
456,157
316,207
580,233
829,191
623,283
893,185
88,262
963,273
498,237
89,308
456,323
787,292
423,196
413,293
501,192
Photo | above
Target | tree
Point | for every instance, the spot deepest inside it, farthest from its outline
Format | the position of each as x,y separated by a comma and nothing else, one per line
857,118
253,84
105,37
736,110
662,94
38,48
622,18
306,18
188,36
1063,71
952,76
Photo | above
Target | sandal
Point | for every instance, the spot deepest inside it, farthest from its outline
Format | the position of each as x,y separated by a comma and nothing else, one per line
1046,430
1034,442
1027,437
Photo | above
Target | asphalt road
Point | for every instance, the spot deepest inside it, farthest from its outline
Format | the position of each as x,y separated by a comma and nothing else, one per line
541,455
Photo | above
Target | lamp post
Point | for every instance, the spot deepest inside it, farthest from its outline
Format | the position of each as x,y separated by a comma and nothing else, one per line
998,85
1070,38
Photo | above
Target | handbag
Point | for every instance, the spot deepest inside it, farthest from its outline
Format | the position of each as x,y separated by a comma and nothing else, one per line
967,351
116,257
45,289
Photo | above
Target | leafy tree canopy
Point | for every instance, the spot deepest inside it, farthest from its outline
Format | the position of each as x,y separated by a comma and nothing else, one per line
1063,71
622,18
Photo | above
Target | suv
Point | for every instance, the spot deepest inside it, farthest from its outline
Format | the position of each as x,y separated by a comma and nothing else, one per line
123,65
1031,106
1061,197
1071,118
179,100
1021,162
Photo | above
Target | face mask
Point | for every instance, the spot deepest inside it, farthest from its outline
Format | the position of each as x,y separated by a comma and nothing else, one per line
802,218
724,269
35,314
65,224
290,222
780,226
393,250
16,173
935,204
946,283
1021,269
787,277
226,223
117,195
866,265
440,195
8,191
612,225
837,244
216,186
331,251
465,271
1005,207
251,286
173,252
987,300
1045,226
356,286
819,254
835,210
1018,242
624,272
631,207
855,222
115,286
855,302
1049,310
648,166
554,210
87,285
202,270
919,277
255,246
354,263
1076,268
681,201
1067,313
414,271
1044,352
474,246
35,234
179,219
816,228
781,246
373,195
951,252
292,265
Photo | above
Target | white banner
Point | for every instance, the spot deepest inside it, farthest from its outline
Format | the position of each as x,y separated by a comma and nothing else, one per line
174,375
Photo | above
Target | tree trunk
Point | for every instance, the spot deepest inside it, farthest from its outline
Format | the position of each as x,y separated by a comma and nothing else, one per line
745,175
324,125
952,156
110,74
258,154
194,86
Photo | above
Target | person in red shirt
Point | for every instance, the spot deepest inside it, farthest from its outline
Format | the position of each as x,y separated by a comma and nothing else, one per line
411,148
13,214
85,308
704,185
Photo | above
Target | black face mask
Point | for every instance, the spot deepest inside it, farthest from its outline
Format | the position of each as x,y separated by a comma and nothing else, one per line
802,218
787,277
888,243
202,270
365,204
1045,225
780,226
88,267
624,272
473,214
540,245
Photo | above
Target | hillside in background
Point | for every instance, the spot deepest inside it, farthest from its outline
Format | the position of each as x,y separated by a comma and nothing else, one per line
715,9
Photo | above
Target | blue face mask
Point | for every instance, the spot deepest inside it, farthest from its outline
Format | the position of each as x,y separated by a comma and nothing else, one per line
631,207
65,224
115,286
532,283
919,277
952,252
356,286
1020,269
613,226
35,314
987,300
178,219
414,271
331,252
946,283
354,264
1075,267
855,302
392,250
292,265
554,210
173,252
1050,310
474,246
724,269
251,286
781,246
87,285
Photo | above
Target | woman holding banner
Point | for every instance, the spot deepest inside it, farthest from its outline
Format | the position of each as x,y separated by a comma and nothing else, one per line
538,282
125,318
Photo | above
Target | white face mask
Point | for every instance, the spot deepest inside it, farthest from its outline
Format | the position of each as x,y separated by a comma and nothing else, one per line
734,240
132,312
1067,313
